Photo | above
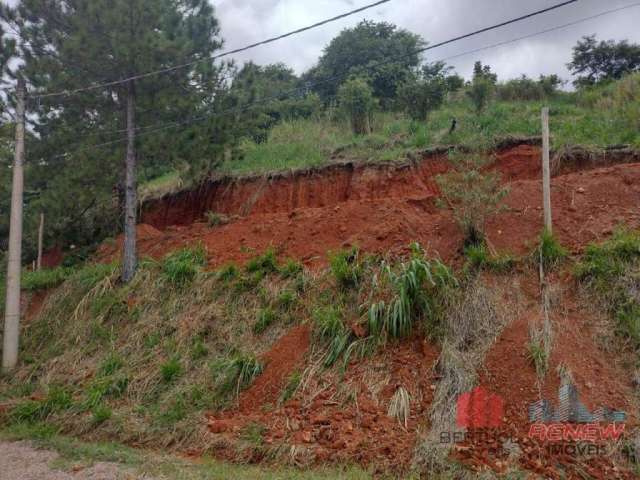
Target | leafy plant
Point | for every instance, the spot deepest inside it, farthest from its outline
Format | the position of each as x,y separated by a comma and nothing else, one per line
549,251
331,329
538,356
240,371
357,100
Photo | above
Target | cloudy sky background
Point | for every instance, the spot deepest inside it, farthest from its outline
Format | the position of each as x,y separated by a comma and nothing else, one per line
247,21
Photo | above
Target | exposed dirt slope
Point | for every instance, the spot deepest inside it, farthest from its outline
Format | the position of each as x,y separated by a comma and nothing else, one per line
384,208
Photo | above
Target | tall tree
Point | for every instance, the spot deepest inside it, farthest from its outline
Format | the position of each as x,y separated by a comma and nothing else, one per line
68,44
595,61
355,52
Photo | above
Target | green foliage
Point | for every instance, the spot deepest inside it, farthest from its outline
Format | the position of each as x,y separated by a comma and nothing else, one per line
228,272
357,100
538,356
346,267
266,317
100,414
355,50
265,264
527,89
473,194
424,93
549,251
240,371
199,350
171,369
291,269
480,92
182,266
420,288
292,386
331,329
110,365
216,219
478,257
44,279
30,411
595,61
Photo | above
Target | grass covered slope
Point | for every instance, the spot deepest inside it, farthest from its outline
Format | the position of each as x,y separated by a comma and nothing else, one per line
606,115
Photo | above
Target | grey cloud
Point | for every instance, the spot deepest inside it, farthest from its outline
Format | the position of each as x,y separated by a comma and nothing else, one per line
247,21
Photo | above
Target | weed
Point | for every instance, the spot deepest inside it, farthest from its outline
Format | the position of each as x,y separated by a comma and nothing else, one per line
30,411
110,365
331,329
266,317
478,257
171,369
253,433
216,219
198,350
611,258
228,272
291,388
240,371
346,268
400,406
472,194
538,356
265,263
286,299
181,267
291,269
45,279
549,251
101,414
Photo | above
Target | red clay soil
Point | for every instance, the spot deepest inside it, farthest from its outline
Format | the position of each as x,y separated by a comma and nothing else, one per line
34,303
281,361
345,420
600,379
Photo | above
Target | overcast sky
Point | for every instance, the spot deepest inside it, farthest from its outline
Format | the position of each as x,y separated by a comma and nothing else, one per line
247,21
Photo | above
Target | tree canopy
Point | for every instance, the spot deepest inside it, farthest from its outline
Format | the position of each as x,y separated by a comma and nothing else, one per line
595,61
355,51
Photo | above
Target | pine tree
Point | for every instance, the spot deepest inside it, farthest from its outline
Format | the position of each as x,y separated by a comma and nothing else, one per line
69,44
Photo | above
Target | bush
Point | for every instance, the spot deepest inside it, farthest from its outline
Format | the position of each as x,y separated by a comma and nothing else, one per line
473,195
346,268
357,100
420,96
181,267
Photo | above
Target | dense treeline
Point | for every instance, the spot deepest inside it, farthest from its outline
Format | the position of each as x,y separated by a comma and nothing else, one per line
209,107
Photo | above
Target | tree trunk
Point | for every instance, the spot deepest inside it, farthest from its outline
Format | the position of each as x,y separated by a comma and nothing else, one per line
40,240
11,333
129,257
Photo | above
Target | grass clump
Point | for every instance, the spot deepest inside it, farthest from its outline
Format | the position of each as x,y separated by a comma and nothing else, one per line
478,258
31,411
240,371
538,356
266,317
181,267
420,288
331,329
291,387
550,253
171,370
265,264
45,279
346,268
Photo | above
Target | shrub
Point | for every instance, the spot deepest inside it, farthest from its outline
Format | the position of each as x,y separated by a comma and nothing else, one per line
473,195
420,96
357,100
346,267
171,369
181,267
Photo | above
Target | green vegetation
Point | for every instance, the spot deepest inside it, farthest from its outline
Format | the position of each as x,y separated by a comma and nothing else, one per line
45,278
610,271
181,267
346,267
538,356
478,257
357,101
549,252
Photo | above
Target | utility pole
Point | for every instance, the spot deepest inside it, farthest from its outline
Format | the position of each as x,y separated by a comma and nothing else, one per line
546,171
131,200
40,239
12,312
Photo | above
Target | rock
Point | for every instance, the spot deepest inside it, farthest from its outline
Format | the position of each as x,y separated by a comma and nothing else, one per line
580,190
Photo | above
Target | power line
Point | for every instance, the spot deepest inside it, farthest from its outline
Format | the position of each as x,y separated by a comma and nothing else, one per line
210,59
161,127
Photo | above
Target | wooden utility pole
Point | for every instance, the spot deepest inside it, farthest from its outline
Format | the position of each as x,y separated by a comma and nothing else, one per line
131,200
40,238
12,313
546,171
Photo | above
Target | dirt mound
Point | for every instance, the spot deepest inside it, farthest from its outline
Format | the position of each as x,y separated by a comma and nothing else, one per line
281,361
345,418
